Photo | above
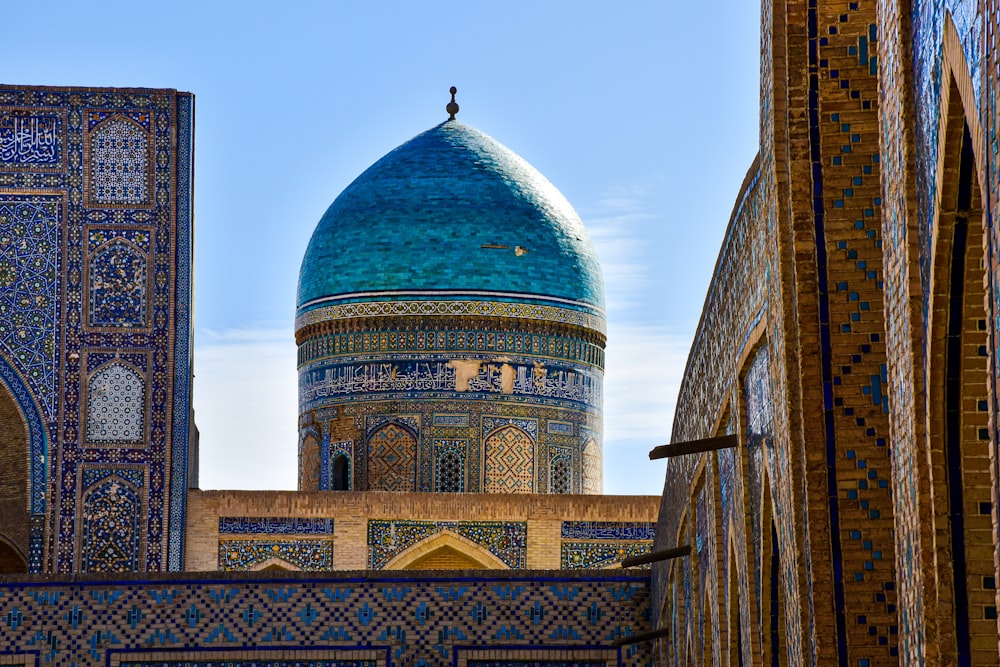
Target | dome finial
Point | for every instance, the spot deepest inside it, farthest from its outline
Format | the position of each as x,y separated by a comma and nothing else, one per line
452,107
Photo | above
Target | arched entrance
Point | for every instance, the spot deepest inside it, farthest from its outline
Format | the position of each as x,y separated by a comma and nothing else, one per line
15,525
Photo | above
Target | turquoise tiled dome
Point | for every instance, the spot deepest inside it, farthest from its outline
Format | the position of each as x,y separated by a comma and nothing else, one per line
451,211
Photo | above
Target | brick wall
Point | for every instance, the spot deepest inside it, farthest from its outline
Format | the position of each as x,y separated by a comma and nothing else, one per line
539,517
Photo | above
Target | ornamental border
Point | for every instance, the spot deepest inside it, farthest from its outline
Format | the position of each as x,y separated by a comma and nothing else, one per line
529,311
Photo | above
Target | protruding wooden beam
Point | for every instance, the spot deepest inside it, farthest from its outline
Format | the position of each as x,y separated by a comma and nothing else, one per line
642,637
693,447
656,556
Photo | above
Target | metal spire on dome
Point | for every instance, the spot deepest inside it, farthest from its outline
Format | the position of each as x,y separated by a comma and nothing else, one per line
452,107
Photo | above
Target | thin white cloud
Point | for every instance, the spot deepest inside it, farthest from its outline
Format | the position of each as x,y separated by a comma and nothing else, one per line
613,221
643,372
246,407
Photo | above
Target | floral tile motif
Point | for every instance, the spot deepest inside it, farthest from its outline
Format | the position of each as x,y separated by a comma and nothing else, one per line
505,540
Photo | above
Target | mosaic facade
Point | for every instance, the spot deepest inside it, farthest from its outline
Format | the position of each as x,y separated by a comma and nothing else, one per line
421,336
298,620
849,340
599,544
505,540
94,202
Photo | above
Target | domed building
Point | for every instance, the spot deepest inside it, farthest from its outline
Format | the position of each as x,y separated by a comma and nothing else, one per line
450,328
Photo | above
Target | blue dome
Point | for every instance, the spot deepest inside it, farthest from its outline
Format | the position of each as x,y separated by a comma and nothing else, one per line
450,212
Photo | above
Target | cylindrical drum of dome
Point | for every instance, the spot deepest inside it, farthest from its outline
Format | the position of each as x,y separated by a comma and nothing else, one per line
451,329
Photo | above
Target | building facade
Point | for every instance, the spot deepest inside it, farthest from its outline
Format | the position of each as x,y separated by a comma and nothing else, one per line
451,373
95,327
849,342
451,328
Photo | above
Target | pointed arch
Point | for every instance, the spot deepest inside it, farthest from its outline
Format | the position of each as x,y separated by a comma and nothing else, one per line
118,285
112,510
15,521
120,166
560,478
593,470
957,389
275,565
340,472
449,470
14,389
509,461
392,458
116,404
446,550
309,463
12,559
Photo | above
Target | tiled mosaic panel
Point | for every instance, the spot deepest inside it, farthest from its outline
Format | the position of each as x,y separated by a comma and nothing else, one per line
580,555
572,385
30,231
118,286
53,151
302,553
509,465
116,405
608,530
392,458
850,285
112,513
254,525
449,466
31,138
505,540
84,623
119,158
478,339
482,308
437,422
560,479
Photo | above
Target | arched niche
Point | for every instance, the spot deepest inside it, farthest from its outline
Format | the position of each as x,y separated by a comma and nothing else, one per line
510,461
446,550
15,523
392,458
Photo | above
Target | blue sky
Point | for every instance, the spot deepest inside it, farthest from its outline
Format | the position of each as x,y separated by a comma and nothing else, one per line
643,113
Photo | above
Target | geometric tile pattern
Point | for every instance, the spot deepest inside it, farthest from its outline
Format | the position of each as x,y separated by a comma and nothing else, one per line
560,480
29,280
305,554
104,253
509,461
483,308
119,159
507,540
593,470
449,468
392,455
193,619
116,405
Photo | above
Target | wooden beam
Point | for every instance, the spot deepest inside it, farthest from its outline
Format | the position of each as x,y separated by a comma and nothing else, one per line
643,637
693,447
656,556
